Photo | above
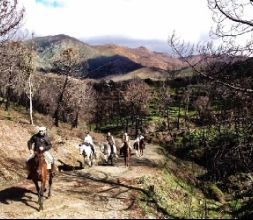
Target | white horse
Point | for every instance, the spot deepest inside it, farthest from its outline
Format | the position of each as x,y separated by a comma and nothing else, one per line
86,151
108,152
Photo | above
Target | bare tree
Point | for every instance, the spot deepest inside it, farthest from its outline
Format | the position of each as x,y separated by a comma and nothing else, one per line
12,79
68,65
10,17
165,100
28,66
234,26
225,64
79,100
137,97
234,23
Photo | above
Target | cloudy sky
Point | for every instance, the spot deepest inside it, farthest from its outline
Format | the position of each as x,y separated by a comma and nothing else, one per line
135,19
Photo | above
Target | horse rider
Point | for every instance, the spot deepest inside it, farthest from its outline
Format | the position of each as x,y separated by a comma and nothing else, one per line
125,140
138,138
40,141
88,141
111,141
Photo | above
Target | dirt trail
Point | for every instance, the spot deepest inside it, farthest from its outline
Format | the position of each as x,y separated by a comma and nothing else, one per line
99,192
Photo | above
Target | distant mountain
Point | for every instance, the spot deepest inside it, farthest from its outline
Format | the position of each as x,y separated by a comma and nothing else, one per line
153,45
144,56
103,61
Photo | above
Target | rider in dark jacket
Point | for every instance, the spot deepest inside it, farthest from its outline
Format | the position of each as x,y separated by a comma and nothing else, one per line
40,141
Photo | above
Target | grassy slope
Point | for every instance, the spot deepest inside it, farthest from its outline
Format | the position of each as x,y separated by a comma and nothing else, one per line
175,187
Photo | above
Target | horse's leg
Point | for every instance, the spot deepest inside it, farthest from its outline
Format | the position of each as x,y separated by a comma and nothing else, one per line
140,150
125,159
112,155
91,163
128,155
84,162
50,181
41,199
37,186
42,190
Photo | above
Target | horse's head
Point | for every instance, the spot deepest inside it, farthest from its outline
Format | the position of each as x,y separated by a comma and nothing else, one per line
81,149
84,148
38,162
105,148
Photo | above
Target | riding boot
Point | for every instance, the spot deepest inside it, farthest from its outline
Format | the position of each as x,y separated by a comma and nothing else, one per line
28,166
53,170
93,150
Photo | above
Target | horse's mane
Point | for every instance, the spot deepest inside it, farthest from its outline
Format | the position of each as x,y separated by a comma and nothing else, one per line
36,160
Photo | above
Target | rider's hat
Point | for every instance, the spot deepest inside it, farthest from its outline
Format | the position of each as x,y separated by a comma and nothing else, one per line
42,129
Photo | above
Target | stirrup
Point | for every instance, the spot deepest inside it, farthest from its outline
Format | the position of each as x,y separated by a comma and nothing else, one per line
29,177
52,173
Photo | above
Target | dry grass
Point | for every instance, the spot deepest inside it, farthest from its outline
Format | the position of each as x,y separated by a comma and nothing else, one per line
15,131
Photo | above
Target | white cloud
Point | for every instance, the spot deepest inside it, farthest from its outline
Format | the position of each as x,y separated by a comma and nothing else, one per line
143,19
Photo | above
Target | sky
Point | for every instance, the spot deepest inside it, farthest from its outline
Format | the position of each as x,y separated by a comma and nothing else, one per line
134,19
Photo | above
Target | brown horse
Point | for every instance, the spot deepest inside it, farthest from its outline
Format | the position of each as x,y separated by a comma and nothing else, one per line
140,147
126,151
39,173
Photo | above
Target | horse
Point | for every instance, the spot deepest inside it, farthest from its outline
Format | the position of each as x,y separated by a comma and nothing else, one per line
139,147
126,151
86,151
39,173
108,152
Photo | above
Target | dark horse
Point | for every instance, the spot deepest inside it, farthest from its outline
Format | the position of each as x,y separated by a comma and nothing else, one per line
126,151
39,173
140,147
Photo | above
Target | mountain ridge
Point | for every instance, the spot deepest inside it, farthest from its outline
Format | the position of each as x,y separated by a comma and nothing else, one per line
103,60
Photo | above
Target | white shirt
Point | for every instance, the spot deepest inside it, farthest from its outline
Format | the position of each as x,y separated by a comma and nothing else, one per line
125,138
139,137
88,139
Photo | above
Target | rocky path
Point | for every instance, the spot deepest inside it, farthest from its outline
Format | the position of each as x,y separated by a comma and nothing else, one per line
99,192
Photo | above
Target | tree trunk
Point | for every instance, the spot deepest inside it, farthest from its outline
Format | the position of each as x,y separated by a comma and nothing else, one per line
7,103
57,111
75,121
30,98
178,117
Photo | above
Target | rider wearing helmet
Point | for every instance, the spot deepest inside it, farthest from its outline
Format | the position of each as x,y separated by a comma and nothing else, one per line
110,141
40,142
88,140
138,138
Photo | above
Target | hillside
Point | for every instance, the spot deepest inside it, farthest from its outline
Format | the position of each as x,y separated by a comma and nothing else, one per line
103,61
97,192
144,57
